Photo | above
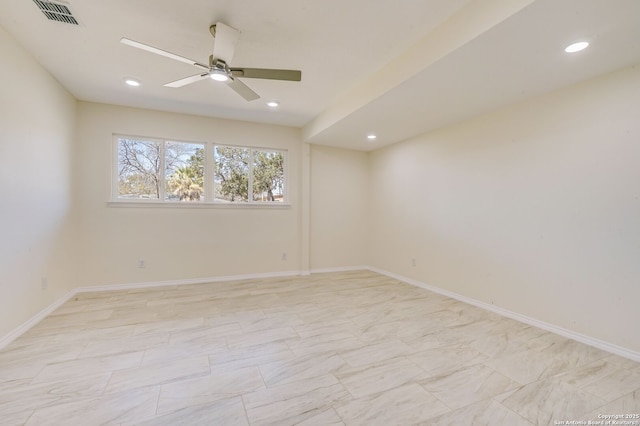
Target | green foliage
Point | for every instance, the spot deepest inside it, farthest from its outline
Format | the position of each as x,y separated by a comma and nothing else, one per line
232,173
138,185
196,162
186,183
139,171
268,174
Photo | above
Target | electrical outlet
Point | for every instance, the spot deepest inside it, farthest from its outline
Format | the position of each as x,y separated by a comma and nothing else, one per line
141,263
284,256
44,283
413,261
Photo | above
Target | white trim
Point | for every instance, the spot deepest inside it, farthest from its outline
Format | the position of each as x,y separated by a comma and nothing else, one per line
24,327
209,176
570,334
341,269
188,281
197,204
591,341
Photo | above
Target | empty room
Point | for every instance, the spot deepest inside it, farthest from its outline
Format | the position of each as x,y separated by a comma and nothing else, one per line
320,212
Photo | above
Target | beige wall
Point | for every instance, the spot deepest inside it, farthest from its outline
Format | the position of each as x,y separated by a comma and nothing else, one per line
178,243
534,208
37,119
339,216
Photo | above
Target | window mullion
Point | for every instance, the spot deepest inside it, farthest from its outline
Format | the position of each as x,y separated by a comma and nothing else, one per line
140,156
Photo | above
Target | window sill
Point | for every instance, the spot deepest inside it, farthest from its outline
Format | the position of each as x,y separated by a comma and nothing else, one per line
199,205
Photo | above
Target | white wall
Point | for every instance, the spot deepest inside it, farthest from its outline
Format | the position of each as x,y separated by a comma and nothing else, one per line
178,243
37,120
339,216
534,208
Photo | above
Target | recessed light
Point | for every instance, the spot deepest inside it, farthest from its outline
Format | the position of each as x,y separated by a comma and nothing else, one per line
371,137
273,104
132,82
576,47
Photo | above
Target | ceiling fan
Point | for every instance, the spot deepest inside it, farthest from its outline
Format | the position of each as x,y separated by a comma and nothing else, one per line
218,68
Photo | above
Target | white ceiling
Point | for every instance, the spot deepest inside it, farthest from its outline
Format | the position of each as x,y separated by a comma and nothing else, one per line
397,69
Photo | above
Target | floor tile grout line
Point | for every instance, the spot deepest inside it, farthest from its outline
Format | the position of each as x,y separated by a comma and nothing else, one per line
106,385
384,317
514,412
158,400
244,407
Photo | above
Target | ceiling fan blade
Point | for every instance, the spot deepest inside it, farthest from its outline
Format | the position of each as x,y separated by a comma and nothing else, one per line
269,74
161,52
225,42
187,80
243,90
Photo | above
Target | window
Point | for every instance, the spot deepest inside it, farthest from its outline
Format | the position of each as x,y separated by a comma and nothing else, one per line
186,172
138,169
232,174
243,174
268,176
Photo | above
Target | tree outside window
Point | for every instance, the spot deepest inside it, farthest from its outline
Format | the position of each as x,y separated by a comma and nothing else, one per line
138,169
184,171
268,176
176,171
232,173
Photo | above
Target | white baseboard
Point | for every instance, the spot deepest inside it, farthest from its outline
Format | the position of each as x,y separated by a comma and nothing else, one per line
597,343
13,335
24,327
188,281
340,269
582,338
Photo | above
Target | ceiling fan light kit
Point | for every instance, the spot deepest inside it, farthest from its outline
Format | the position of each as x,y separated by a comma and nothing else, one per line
224,46
218,70
218,75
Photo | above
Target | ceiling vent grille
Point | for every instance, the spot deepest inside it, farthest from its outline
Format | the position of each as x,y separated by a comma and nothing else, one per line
56,12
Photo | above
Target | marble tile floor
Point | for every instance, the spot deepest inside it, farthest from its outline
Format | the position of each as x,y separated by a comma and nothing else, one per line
352,348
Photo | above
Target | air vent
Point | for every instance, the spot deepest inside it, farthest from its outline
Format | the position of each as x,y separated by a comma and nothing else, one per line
56,11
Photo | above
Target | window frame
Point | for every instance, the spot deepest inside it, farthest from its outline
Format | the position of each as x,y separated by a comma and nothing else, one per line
209,199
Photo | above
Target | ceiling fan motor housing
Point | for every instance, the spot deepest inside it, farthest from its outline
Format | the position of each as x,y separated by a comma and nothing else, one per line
220,68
